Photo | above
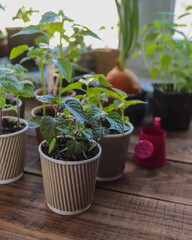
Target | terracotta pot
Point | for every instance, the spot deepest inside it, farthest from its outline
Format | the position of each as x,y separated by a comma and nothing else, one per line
114,151
39,92
69,185
12,154
10,111
105,59
34,112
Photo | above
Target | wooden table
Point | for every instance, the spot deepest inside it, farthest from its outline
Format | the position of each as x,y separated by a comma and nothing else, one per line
145,204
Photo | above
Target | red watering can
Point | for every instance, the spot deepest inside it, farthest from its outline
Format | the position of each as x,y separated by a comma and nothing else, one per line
150,151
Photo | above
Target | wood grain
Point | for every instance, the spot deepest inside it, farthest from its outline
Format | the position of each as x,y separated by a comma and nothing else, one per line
112,216
173,182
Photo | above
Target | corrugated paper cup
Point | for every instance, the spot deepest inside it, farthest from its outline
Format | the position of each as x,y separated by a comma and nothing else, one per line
10,111
69,186
12,152
113,158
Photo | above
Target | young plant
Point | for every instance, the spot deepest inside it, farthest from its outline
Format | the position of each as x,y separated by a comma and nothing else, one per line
103,123
10,84
120,77
74,128
98,92
94,88
167,58
55,23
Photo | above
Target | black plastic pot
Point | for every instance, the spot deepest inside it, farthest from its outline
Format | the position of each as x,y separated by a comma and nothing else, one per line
138,112
174,108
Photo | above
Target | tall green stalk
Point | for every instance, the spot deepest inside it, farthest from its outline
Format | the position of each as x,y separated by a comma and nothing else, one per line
128,11
61,55
42,78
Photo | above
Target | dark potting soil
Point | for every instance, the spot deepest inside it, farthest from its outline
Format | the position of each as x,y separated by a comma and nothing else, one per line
11,127
58,154
10,101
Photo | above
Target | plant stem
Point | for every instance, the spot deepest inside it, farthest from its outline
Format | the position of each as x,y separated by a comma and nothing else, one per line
18,112
61,54
42,79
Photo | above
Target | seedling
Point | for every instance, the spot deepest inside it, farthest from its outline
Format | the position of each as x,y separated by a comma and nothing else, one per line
10,84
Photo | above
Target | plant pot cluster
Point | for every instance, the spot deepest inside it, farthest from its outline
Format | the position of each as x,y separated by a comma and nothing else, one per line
69,179
85,137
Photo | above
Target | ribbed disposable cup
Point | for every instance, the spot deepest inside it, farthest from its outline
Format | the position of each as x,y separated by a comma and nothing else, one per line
113,158
69,185
12,154
10,111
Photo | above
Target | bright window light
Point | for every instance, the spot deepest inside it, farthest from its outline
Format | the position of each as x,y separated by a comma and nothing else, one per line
93,14
180,7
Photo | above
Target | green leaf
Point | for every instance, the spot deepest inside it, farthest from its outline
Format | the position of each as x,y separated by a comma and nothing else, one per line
133,102
11,106
29,30
75,108
183,15
99,131
2,7
65,67
154,73
6,71
76,147
17,51
48,98
103,81
35,122
52,144
27,91
49,129
151,49
188,8
10,84
136,54
87,133
87,32
95,114
2,100
116,122
93,144
165,61
34,53
72,86
49,17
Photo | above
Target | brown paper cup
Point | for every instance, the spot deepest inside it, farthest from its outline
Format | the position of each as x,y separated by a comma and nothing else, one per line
69,186
114,151
12,152
10,111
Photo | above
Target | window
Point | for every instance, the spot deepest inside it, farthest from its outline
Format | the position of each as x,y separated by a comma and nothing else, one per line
93,14
180,7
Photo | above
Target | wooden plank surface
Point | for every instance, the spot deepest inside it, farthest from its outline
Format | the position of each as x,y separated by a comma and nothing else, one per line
112,216
172,182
